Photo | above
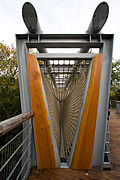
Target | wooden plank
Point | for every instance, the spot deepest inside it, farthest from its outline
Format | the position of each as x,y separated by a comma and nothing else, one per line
11,123
43,139
83,153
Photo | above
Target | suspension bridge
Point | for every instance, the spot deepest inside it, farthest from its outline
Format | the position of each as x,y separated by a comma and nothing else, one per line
64,100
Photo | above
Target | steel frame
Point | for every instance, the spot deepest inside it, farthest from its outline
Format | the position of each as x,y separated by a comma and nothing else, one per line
102,41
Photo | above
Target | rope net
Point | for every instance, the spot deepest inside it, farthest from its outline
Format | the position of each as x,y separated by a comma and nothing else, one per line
64,83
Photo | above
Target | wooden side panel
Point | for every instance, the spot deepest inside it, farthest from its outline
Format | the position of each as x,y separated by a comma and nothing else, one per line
43,139
83,153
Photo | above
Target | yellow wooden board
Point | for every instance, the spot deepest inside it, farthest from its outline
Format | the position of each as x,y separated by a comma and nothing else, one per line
83,153
43,139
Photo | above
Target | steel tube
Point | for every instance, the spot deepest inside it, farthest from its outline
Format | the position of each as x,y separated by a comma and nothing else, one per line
99,18
30,18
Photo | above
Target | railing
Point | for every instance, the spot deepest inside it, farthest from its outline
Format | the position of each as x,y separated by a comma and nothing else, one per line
16,154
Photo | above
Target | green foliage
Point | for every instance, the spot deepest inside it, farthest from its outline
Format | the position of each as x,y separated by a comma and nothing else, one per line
113,95
115,77
9,86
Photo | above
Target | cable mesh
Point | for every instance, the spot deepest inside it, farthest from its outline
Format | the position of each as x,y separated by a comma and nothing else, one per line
64,83
16,155
71,110
53,105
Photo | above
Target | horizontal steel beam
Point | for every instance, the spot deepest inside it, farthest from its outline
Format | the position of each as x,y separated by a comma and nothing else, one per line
64,56
63,73
88,37
63,44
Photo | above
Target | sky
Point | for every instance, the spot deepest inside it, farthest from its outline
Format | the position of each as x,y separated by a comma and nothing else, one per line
58,16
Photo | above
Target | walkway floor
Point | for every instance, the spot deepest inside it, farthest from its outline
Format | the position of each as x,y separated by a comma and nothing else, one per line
96,173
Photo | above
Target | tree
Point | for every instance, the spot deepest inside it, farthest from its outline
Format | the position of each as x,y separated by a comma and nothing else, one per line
9,87
115,79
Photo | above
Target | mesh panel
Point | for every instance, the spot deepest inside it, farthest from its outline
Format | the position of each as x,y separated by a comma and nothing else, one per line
64,82
71,109
53,105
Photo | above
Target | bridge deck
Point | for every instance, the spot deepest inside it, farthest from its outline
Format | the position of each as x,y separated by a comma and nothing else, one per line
96,173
